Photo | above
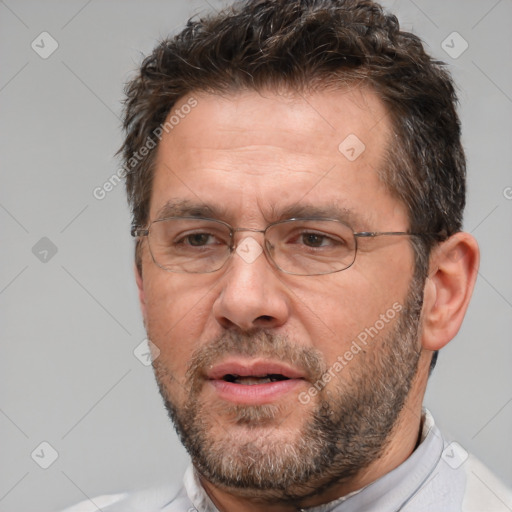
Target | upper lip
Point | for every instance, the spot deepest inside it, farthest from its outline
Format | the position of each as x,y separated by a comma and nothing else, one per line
252,368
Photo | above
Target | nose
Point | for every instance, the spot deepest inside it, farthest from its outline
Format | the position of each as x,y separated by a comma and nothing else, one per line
252,295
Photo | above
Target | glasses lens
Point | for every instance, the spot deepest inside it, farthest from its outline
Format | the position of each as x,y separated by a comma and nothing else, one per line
189,245
311,247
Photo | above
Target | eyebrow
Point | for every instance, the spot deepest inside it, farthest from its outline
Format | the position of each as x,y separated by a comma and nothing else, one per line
329,211
188,208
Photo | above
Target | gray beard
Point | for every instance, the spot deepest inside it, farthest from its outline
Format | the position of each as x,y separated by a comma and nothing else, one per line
347,429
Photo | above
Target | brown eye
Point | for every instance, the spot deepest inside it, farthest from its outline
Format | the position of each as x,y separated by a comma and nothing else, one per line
198,239
314,239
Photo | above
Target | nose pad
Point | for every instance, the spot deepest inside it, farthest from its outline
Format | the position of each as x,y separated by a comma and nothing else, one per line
270,248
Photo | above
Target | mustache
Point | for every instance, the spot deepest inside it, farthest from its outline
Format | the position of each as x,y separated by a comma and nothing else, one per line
260,343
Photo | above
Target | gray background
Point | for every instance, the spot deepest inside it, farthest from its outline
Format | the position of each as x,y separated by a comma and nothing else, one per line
70,320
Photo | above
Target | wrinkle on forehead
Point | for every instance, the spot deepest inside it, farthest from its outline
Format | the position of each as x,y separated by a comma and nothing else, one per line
179,207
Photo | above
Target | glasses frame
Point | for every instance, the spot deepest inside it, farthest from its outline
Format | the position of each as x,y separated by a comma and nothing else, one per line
139,232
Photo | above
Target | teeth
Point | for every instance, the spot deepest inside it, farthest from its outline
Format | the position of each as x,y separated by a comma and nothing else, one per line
251,381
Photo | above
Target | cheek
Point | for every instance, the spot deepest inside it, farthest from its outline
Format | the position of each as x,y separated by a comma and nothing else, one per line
175,316
350,308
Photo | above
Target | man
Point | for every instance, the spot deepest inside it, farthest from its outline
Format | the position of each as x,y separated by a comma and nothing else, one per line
297,184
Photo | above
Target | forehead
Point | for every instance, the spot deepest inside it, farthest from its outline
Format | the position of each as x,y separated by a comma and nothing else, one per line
266,151
316,120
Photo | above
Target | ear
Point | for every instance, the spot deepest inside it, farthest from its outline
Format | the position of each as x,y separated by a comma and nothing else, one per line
448,288
140,286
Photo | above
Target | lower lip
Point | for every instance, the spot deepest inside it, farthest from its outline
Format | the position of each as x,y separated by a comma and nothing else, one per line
255,394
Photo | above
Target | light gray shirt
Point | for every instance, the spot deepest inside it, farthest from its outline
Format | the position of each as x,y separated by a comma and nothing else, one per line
437,477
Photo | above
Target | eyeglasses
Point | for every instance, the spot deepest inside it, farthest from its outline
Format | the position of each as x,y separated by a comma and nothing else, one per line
303,247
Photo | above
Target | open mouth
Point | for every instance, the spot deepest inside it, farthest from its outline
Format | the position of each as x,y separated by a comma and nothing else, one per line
253,379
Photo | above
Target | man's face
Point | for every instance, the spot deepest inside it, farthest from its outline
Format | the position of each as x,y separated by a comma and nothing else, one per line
245,350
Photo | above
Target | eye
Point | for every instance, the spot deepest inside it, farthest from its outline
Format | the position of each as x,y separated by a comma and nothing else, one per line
198,240
315,239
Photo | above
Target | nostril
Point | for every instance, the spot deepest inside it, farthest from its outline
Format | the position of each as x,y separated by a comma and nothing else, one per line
265,318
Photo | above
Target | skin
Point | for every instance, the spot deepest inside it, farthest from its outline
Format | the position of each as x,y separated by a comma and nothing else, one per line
253,155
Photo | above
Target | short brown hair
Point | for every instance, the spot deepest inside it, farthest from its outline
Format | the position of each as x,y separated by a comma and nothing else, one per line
306,45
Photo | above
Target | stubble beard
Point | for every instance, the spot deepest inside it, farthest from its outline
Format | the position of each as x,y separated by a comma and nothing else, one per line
347,428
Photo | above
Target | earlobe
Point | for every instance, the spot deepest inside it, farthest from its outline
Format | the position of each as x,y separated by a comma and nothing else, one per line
140,287
448,288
